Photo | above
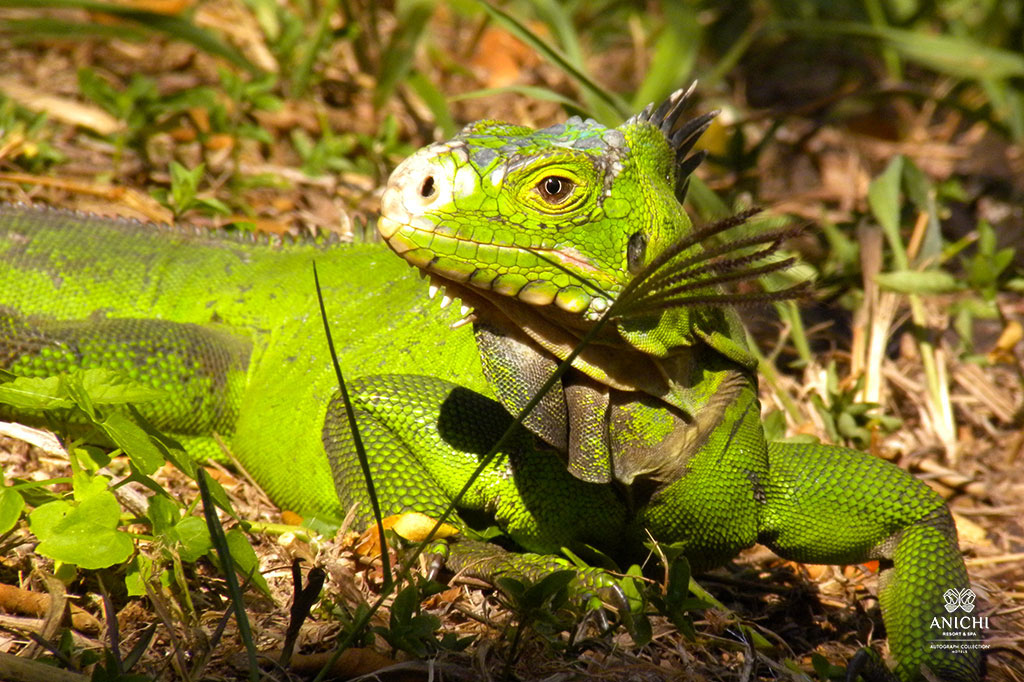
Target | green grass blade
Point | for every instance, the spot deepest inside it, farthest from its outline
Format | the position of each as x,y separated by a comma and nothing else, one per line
304,71
555,15
953,55
485,461
401,49
531,91
434,100
50,28
220,543
173,26
609,108
357,440
675,55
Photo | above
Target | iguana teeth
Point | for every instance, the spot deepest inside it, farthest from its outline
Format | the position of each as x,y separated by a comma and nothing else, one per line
446,301
462,322
465,310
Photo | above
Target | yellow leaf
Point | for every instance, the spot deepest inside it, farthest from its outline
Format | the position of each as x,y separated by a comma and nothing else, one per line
412,526
1003,350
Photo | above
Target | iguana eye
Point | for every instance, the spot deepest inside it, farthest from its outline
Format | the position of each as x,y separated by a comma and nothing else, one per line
555,189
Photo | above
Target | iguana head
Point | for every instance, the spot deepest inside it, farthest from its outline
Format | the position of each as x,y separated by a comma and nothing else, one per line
542,232
559,219
551,226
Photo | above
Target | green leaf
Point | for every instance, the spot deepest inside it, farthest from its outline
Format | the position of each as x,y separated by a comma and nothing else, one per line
918,282
44,518
246,561
133,439
184,185
11,504
675,54
884,199
959,56
678,589
547,591
193,538
34,393
85,535
86,486
163,513
922,192
134,583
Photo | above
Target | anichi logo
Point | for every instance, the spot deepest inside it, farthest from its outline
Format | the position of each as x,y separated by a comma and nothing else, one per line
957,631
959,599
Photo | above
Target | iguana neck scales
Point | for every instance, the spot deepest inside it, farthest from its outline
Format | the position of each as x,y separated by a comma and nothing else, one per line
653,433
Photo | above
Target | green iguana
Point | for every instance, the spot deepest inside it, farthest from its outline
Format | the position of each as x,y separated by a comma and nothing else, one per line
654,431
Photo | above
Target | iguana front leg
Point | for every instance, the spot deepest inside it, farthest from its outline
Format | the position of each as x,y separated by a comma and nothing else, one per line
425,437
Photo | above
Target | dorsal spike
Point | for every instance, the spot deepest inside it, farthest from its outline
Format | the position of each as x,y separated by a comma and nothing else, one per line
681,137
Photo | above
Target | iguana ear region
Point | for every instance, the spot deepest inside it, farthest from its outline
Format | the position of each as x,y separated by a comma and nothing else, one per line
636,251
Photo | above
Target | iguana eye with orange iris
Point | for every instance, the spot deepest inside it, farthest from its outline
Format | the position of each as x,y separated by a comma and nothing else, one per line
555,189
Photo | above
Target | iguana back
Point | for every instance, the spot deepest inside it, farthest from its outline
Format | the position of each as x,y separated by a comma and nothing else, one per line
269,375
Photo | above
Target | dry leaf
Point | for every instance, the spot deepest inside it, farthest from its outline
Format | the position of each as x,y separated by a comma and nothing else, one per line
61,109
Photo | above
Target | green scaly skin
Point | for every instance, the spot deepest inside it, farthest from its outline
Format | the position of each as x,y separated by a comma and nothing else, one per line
655,429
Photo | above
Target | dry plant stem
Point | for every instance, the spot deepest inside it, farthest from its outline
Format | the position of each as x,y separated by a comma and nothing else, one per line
16,600
875,316
932,358
21,669
177,657
125,196
352,663
973,379
1001,559
19,625
954,479
934,361
54,613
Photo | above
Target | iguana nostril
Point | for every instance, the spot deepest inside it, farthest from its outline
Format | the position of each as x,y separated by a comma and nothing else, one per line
427,189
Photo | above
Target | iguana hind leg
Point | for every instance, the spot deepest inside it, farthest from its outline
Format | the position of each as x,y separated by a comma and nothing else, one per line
832,505
200,370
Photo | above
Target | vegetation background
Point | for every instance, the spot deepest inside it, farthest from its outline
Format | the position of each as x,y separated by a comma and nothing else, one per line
893,128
